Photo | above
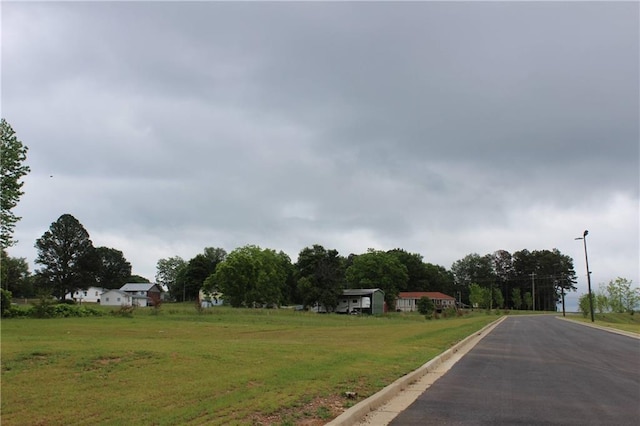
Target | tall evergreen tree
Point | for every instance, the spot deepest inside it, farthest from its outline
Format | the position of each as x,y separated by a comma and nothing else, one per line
319,276
69,260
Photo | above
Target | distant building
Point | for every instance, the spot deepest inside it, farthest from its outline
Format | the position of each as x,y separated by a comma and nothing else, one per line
358,301
408,301
145,293
120,298
208,300
91,295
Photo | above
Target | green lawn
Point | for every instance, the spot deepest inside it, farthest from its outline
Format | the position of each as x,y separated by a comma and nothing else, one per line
225,366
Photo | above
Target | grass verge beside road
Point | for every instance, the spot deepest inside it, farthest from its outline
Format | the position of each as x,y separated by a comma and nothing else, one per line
224,366
625,322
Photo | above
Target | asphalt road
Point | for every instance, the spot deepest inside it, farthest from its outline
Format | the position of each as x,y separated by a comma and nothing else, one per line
537,370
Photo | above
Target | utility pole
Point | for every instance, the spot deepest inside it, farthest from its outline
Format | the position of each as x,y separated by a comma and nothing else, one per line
533,289
586,259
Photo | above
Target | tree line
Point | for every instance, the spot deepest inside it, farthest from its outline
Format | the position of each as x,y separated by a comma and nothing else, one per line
254,276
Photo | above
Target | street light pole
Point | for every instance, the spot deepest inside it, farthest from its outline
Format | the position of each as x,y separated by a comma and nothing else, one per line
586,258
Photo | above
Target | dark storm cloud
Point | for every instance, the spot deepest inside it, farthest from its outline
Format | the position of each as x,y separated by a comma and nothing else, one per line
349,124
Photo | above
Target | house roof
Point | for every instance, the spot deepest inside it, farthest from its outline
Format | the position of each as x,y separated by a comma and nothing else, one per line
122,293
138,287
419,294
360,291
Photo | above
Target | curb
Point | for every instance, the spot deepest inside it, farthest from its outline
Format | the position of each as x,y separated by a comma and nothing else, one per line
364,407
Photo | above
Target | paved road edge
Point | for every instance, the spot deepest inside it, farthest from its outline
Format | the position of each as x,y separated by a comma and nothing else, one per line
361,409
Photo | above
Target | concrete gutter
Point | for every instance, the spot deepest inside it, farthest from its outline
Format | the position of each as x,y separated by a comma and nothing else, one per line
358,412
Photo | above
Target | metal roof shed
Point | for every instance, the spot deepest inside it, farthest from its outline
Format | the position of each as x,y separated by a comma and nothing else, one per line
375,295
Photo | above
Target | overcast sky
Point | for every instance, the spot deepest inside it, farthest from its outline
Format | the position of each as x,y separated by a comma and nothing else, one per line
441,128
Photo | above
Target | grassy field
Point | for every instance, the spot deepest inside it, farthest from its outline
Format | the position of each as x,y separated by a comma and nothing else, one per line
224,366
624,322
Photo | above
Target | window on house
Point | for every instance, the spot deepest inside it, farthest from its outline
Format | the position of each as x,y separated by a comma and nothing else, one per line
96,293
84,292
106,299
118,299
354,301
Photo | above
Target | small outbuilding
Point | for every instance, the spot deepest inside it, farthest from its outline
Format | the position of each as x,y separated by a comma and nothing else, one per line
208,300
361,301
116,298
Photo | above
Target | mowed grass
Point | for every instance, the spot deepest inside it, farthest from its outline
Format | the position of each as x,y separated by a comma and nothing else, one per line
226,366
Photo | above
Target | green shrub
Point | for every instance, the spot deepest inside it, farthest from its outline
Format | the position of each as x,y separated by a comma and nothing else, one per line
425,305
5,302
17,312
44,307
76,311
450,312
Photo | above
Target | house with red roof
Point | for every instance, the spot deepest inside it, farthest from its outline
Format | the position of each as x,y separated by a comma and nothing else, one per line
408,301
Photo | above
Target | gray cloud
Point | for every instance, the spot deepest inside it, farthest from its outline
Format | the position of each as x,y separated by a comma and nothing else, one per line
437,127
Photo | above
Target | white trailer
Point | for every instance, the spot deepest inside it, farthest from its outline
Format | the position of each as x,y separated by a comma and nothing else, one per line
353,304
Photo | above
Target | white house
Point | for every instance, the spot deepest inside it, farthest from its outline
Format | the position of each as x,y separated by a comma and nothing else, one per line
144,293
91,294
116,298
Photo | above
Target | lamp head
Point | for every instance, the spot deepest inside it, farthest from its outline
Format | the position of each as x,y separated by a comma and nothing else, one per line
585,233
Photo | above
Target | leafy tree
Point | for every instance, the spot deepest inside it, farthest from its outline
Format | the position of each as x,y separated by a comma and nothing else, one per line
516,298
320,276
12,156
438,278
167,271
479,296
473,268
416,270
136,279
114,269
425,306
215,255
15,276
552,272
504,273
498,298
623,297
528,300
69,260
251,276
5,302
584,305
378,269
191,278
290,291
601,301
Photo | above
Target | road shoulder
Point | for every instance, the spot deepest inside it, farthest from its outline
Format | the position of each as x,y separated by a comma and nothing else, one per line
382,407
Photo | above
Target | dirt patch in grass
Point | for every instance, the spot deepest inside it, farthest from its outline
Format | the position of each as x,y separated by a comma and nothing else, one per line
108,360
316,412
